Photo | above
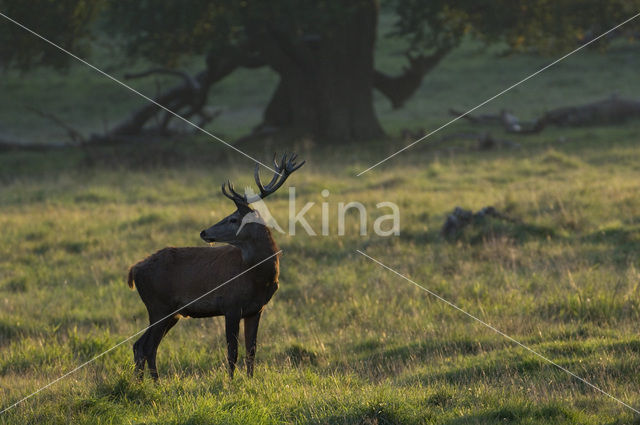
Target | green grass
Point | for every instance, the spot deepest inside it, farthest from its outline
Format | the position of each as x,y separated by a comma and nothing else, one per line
343,340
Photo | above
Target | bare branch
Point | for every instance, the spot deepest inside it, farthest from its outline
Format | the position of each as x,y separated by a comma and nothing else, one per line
188,79
73,134
400,88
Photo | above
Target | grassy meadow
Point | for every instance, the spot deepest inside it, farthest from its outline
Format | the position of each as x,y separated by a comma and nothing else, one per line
343,341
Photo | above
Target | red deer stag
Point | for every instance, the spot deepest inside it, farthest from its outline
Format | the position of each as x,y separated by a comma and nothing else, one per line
241,277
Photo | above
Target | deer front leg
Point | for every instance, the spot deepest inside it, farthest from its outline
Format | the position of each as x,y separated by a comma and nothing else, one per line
232,328
250,336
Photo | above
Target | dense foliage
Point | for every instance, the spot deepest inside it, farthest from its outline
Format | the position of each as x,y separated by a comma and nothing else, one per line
323,51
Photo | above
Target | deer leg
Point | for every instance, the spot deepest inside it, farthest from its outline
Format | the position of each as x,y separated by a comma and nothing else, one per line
250,336
232,328
138,354
153,341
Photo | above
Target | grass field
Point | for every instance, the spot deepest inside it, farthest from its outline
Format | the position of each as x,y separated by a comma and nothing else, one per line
343,340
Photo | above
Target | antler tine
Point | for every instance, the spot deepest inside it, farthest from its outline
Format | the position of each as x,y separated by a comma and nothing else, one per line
291,164
279,176
283,170
295,167
224,191
264,190
234,196
256,177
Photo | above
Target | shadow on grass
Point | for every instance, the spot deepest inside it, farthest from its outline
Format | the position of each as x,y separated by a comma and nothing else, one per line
482,230
298,355
495,370
11,331
491,228
368,416
426,349
149,154
519,415
600,309
126,388
374,361
620,245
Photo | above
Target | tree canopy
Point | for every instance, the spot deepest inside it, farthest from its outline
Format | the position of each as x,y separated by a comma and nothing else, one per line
323,50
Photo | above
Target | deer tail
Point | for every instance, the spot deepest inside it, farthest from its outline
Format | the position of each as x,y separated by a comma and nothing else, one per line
131,281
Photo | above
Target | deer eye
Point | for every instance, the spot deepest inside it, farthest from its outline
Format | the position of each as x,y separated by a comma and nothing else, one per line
233,220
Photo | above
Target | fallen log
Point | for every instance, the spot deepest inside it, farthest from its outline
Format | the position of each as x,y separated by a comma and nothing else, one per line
609,111
484,141
604,112
8,145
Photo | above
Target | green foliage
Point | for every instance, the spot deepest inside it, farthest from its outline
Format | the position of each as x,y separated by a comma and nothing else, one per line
167,31
162,31
551,26
430,25
545,26
64,22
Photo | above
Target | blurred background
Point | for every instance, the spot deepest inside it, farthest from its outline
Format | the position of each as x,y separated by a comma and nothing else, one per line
320,70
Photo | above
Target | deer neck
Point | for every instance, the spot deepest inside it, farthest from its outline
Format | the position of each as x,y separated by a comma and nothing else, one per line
259,247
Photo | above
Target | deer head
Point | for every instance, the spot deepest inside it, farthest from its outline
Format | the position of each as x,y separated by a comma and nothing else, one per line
236,228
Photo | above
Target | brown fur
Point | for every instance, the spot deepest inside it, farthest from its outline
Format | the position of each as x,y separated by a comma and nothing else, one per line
235,281
174,277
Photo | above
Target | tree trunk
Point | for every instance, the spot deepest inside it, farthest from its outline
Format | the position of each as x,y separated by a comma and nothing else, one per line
326,80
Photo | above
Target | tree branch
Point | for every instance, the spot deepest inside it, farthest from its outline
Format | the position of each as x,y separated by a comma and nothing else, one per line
191,94
73,134
185,76
400,88
608,111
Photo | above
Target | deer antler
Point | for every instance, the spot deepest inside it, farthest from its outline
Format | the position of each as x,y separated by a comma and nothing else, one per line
282,171
234,196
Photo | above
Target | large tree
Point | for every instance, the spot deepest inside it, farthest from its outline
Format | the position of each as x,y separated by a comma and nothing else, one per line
323,50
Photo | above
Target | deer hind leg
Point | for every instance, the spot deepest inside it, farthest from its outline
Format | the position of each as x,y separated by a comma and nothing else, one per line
250,337
151,344
232,329
138,354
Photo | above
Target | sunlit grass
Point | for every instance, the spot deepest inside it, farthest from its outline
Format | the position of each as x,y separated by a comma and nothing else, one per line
343,341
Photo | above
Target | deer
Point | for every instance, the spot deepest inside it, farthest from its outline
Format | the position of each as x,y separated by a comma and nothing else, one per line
238,278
